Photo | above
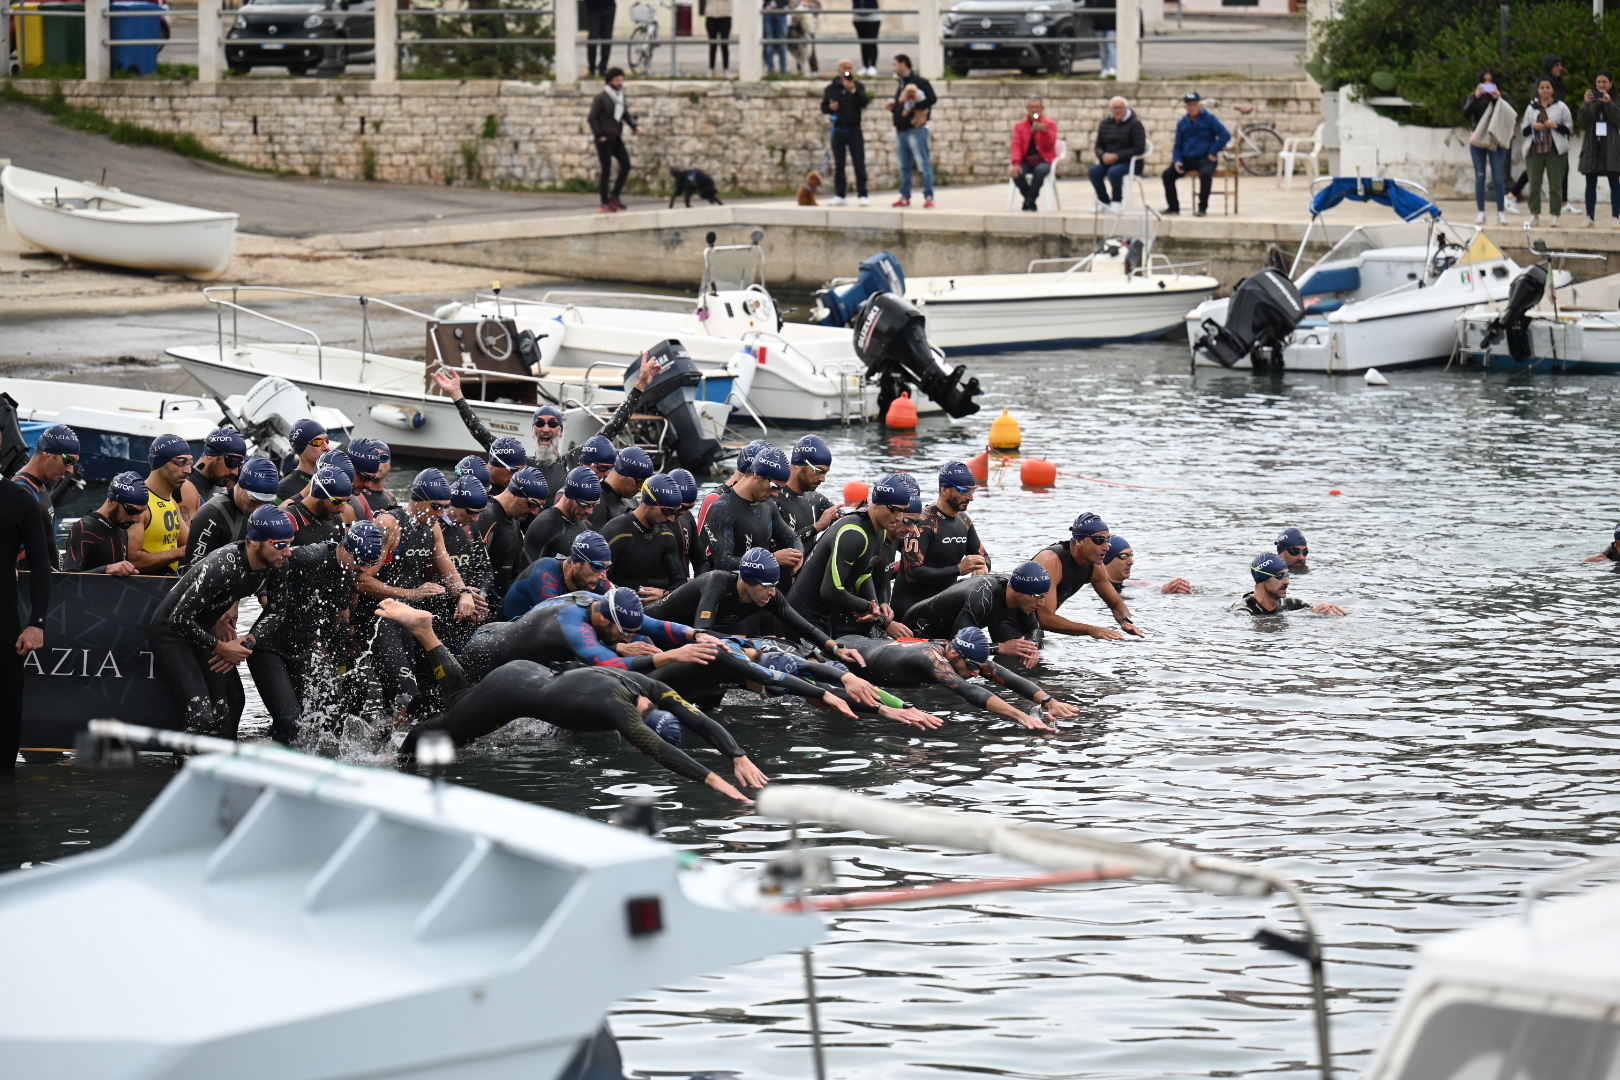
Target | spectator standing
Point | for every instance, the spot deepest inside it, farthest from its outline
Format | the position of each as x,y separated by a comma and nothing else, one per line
1545,126
717,22
599,18
1103,26
1600,152
608,117
1486,109
1554,69
914,100
776,32
1200,138
1121,140
1034,148
868,21
843,100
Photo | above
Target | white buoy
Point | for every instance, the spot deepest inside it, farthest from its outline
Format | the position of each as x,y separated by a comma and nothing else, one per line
1375,378
398,416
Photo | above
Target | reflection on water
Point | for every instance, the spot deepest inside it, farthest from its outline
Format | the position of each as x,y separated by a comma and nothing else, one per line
1413,763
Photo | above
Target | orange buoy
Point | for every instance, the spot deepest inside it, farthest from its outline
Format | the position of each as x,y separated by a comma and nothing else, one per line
980,467
902,412
1005,433
1038,472
1335,491
856,491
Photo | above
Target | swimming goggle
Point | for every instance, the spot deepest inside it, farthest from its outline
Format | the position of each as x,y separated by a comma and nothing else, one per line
1100,539
234,461
599,567
319,441
548,422
1298,550
281,545
69,459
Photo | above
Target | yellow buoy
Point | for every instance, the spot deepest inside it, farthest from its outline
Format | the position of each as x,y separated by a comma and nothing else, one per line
1004,432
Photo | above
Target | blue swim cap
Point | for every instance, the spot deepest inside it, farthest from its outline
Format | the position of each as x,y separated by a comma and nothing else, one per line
61,439
472,465
508,453
270,523
891,491
772,464
338,459
364,541
468,494
430,486
664,723
598,450
1268,565
128,489
1116,547
1087,524
687,483
331,483
591,547
1291,537
622,608
745,456
974,645
633,462
910,480
915,506
785,662
660,490
260,478
956,474
530,483
303,433
1031,579
222,441
547,410
583,485
759,567
364,456
812,450
165,448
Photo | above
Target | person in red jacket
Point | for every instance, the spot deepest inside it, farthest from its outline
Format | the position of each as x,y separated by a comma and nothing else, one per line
1034,148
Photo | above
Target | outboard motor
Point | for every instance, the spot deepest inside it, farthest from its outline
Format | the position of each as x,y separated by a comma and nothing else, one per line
891,339
671,395
1263,311
1527,290
13,447
837,306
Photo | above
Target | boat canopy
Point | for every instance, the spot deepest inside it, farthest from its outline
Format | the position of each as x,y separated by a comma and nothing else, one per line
1408,204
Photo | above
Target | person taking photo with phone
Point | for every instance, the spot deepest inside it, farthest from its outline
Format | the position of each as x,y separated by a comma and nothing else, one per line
1600,152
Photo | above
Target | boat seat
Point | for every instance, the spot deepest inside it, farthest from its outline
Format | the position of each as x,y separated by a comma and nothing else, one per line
1322,307
1341,279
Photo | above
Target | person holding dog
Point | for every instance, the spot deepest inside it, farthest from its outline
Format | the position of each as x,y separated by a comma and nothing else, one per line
608,116
843,100
914,99
1034,148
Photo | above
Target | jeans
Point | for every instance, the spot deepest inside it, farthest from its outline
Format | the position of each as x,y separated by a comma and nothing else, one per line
1555,168
1498,163
854,141
599,25
1109,49
606,151
776,26
719,36
868,32
912,148
1114,174
1204,169
1591,193
1030,180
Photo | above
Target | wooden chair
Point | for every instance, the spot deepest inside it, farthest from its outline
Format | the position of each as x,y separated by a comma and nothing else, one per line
1226,182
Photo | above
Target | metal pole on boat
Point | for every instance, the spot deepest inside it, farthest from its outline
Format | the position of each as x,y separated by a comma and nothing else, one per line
809,973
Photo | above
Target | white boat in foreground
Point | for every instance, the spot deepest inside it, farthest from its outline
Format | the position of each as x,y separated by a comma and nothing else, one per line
1570,330
88,221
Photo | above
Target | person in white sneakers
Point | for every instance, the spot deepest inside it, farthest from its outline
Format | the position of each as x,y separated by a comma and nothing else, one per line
1546,126
843,100
1493,121
1600,153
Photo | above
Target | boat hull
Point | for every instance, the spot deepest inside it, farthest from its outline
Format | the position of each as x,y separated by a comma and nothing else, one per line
1011,323
1581,346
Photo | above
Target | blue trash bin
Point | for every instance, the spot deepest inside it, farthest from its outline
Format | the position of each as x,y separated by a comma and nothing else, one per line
136,59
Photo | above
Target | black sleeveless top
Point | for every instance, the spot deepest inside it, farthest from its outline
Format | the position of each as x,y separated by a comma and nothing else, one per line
1075,577
413,558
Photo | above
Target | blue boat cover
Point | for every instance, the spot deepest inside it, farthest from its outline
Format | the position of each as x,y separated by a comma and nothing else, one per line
1408,204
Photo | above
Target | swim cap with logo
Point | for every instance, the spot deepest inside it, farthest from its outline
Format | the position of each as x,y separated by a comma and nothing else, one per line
772,464
366,455
259,478
1087,525
973,644
129,490
337,459
891,491
529,483
745,456
270,523
430,486
660,490
1291,537
472,465
633,462
1116,547
687,483
331,483
1268,565
165,448
759,567
364,541
812,450
61,439
622,608
508,453
303,433
583,485
222,441
591,547
1031,579
468,494
957,475
598,450
664,723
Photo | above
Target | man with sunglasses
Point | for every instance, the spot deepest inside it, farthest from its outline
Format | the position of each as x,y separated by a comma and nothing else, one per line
98,543
646,553
317,515
553,529
745,517
309,441
55,457
1270,596
1121,560
157,545
200,665
1294,550
946,546
687,538
620,484
468,498
223,519
1003,604
584,570
500,527
836,586
1073,566
224,451
805,509
373,460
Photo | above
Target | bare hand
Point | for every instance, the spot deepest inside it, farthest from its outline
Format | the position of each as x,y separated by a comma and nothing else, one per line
1214,157
910,717
1059,710
1131,628
833,105
1110,159
32,638
1034,723
828,516
425,590
792,558
899,629
227,654
636,648
636,129
889,105
466,606
1103,633
861,690
122,569
850,656
1023,648
1180,168
748,774
649,372
1015,171
719,783
1178,585
1329,609
837,704
449,380
1587,98
700,651
649,594
972,564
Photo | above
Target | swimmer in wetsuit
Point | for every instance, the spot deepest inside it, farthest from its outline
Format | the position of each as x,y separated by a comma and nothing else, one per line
1292,547
157,544
1608,554
98,543
224,452
687,538
553,529
589,699
836,589
584,570
1005,604
373,460
1073,566
917,663
45,474
223,519
946,545
1270,596
317,515
630,469
1121,560
646,553
309,441
745,517
469,557
500,527
806,510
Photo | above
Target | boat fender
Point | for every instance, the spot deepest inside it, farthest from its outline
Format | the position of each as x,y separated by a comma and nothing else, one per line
397,416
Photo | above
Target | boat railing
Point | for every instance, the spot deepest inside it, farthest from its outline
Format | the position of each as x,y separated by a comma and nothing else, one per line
236,307
1075,266
634,301
1167,267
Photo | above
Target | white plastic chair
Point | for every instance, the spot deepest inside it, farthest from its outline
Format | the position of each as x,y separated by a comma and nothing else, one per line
1294,150
1048,198
1135,182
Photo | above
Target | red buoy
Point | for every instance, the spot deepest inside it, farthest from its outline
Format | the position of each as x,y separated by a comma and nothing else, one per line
1038,472
981,467
856,492
902,412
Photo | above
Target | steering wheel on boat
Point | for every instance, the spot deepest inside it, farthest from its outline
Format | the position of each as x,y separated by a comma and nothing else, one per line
1447,253
494,338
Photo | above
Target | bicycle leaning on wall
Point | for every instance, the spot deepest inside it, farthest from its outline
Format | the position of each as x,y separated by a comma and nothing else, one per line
1256,145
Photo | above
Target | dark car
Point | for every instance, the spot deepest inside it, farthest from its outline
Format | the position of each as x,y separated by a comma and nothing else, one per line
977,34
301,37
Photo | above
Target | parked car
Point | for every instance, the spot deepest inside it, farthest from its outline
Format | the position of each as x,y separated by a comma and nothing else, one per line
312,36
976,33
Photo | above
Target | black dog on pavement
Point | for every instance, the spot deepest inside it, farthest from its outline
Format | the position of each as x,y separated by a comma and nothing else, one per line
690,182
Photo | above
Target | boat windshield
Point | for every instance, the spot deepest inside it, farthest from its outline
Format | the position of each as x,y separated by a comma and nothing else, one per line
1363,238
1477,1041
733,268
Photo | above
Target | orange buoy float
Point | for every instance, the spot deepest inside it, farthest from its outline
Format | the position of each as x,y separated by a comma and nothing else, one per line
1005,433
1335,491
856,492
902,412
1037,472
980,467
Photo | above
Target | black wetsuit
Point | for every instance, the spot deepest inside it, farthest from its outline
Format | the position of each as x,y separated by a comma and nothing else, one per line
710,602
733,525
643,555
44,507
610,506
835,584
183,639
206,488
929,560
219,521
975,601
410,565
690,544
801,512
558,631
471,561
21,528
1074,577
503,539
94,543
913,664
300,633
310,529
380,502
555,472
1251,606
550,533
292,484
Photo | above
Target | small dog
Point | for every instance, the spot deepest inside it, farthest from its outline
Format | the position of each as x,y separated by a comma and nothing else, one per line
910,102
690,182
808,189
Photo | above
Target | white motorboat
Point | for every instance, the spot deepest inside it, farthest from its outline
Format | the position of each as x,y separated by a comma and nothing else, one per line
89,221
1384,296
1573,329
1120,292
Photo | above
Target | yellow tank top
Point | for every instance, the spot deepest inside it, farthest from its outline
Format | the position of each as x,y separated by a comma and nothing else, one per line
163,531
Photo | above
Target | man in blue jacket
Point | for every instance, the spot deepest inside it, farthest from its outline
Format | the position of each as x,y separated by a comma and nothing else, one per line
1200,138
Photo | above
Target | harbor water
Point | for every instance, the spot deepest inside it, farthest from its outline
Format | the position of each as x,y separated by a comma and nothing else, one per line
1413,764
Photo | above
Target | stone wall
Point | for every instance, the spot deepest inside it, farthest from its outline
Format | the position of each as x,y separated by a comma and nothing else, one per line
759,138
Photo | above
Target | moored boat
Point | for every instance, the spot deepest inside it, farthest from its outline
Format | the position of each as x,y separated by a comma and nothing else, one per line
1571,330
